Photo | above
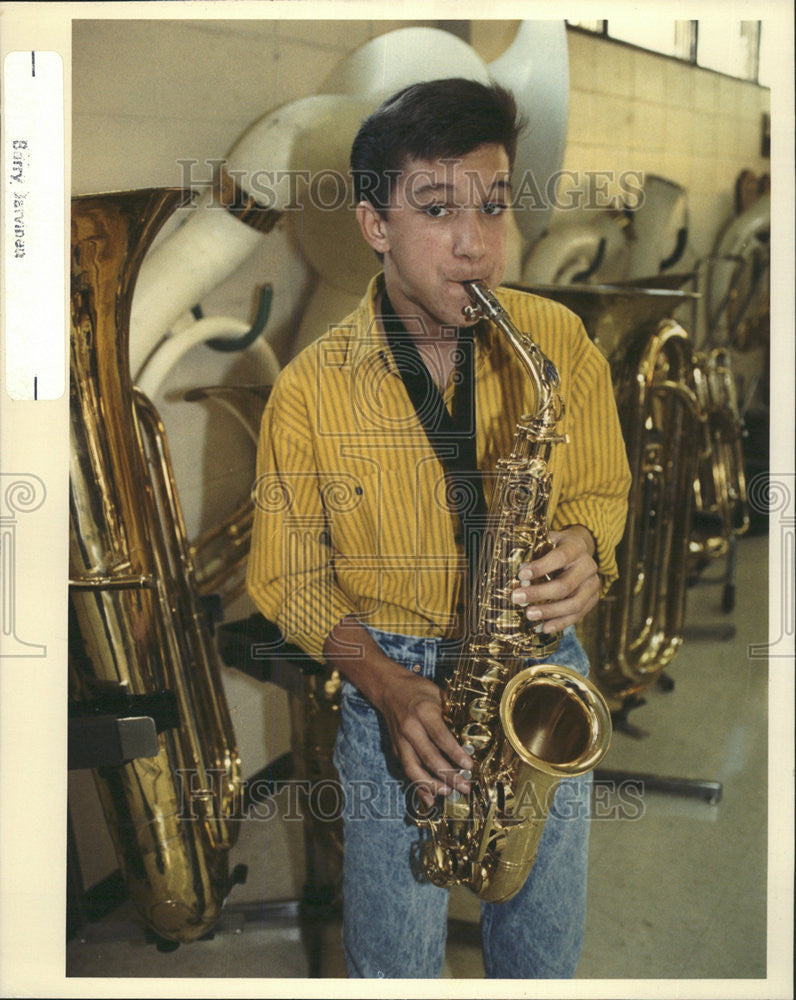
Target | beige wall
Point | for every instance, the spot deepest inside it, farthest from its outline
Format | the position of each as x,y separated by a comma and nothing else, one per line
631,109
147,94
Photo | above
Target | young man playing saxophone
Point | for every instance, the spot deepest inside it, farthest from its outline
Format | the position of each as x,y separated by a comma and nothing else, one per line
361,560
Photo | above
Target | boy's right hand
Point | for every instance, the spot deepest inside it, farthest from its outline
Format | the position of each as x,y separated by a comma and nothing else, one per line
412,709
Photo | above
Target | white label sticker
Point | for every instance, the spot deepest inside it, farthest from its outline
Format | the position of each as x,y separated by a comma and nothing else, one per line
33,224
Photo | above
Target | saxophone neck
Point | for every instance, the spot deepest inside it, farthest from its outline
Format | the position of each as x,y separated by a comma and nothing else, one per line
540,370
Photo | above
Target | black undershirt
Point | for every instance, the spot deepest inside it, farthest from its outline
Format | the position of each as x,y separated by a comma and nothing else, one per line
452,435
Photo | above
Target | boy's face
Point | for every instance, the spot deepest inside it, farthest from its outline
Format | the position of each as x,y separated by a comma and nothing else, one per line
447,223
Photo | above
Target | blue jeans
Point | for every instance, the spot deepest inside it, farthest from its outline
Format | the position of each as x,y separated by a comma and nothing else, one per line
394,919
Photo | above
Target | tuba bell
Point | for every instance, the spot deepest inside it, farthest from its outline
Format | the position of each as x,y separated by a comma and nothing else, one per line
138,632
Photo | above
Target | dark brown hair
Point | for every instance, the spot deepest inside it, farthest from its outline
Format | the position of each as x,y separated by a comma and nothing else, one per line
429,121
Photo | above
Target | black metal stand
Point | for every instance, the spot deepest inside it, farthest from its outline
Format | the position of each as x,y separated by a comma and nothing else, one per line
109,730
255,646
699,788
117,728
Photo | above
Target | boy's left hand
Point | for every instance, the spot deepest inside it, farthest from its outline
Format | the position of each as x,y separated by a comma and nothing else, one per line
559,588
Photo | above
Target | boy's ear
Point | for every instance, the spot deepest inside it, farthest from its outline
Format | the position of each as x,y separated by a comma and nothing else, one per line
373,227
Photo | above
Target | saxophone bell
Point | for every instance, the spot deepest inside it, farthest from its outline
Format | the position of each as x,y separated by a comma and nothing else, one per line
547,716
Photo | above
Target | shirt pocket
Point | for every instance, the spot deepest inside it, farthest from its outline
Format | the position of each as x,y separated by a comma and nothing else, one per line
358,499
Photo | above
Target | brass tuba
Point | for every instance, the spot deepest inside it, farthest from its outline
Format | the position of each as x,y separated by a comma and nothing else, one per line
137,628
641,621
720,498
637,628
525,728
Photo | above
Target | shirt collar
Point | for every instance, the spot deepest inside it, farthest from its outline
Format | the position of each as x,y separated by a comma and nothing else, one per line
369,343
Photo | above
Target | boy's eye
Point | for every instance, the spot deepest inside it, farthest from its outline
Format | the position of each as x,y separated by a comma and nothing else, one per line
438,211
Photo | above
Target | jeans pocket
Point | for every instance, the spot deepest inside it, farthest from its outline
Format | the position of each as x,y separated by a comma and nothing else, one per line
352,698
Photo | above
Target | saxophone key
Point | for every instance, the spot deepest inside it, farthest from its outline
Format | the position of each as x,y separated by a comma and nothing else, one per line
478,736
482,710
510,622
493,677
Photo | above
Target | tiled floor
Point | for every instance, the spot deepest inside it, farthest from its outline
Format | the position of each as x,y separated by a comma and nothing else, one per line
678,886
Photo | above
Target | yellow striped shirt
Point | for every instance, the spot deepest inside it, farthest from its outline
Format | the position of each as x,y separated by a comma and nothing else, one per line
350,508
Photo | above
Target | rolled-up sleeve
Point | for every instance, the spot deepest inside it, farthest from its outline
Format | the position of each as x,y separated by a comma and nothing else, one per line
290,574
596,478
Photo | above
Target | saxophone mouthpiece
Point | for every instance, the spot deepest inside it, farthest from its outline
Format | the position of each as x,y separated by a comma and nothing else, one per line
473,311
484,301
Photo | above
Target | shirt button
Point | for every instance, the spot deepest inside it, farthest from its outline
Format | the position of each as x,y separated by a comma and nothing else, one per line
416,668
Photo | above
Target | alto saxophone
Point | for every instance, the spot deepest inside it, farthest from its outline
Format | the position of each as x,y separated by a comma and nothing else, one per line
525,727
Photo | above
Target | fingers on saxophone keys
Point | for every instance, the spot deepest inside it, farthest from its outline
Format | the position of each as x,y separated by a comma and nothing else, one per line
429,789
464,774
446,778
459,783
532,612
456,782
